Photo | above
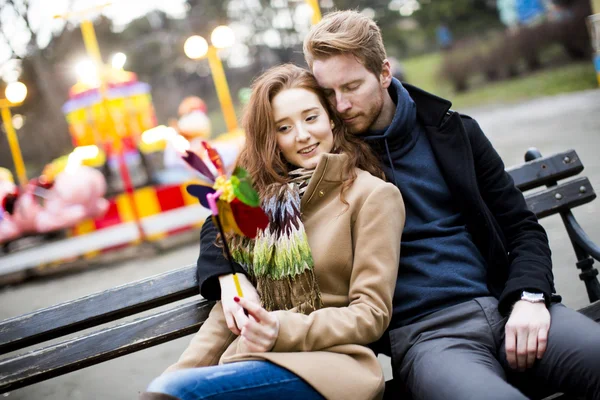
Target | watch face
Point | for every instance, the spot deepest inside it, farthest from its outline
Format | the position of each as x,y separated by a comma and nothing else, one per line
533,297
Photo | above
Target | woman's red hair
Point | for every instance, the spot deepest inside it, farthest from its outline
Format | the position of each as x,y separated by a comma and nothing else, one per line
261,157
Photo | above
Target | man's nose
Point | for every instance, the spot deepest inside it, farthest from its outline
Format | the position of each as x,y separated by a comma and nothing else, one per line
342,104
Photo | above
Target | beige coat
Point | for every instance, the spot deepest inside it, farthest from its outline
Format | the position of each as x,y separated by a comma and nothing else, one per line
356,250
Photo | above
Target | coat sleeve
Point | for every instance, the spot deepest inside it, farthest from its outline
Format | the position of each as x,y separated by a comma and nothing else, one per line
530,263
208,345
376,235
212,262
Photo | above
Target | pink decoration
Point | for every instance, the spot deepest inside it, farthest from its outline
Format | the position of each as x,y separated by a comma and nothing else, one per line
75,196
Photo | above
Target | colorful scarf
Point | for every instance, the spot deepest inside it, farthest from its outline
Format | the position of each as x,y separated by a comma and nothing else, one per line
279,259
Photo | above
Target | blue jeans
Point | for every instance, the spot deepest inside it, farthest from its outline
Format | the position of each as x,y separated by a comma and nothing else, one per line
241,380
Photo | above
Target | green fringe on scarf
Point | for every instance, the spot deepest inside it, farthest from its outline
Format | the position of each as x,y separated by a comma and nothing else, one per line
279,259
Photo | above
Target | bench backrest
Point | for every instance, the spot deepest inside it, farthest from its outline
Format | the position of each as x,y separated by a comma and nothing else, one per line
127,300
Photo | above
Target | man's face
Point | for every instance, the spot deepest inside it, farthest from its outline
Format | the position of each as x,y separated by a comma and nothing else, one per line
355,92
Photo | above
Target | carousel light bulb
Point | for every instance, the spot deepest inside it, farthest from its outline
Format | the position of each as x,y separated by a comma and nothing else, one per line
118,60
16,92
87,72
18,121
222,37
195,47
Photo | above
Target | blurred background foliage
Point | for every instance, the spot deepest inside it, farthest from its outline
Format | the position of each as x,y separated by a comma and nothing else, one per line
467,50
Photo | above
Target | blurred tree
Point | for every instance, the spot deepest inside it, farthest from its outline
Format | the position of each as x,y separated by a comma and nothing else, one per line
45,130
48,72
409,26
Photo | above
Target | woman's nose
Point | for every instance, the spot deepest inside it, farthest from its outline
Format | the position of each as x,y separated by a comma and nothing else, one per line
302,134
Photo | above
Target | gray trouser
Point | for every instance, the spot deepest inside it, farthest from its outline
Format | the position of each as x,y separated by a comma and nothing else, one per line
458,353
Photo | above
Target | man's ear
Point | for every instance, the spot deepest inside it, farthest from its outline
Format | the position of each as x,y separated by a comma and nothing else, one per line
386,74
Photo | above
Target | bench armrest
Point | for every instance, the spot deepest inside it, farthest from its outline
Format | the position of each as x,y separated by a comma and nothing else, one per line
580,237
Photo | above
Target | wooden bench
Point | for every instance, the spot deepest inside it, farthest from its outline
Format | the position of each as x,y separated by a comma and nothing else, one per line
30,366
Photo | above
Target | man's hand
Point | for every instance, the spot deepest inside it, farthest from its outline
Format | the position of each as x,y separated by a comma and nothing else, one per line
526,334
261,330
234,313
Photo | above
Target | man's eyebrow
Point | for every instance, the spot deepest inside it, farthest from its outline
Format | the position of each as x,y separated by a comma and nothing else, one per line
303,112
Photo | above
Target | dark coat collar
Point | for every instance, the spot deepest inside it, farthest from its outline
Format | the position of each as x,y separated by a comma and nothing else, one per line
431,109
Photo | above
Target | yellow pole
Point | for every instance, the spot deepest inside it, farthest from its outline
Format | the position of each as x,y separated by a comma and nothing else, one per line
218,74
314,4
91,45
91,42
11,135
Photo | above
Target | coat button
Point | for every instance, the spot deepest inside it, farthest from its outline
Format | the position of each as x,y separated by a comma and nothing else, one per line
321,193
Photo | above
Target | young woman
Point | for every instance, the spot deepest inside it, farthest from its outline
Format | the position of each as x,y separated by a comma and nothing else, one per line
324,269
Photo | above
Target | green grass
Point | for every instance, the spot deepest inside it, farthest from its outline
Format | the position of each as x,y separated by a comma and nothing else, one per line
423,72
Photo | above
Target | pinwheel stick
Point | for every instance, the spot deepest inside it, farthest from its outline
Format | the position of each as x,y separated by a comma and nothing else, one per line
212,201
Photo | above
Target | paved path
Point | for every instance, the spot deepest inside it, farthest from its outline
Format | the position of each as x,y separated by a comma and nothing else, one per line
551,124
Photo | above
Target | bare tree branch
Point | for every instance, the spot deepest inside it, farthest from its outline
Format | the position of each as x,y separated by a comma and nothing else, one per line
23,14
5,38
69,8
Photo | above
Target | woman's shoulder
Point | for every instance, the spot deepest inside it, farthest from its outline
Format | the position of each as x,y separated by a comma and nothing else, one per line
365,179
367,184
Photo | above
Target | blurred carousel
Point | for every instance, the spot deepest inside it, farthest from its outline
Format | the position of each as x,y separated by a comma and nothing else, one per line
80,207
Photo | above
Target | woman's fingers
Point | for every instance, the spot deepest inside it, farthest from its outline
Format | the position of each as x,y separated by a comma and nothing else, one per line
254,309
231,323
262,327
249,347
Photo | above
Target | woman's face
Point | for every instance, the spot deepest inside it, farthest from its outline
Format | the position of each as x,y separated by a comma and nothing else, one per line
303,128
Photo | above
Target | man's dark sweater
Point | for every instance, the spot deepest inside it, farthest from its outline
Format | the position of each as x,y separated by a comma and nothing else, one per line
439,262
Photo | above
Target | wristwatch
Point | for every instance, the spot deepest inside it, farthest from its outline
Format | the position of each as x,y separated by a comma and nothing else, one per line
532,297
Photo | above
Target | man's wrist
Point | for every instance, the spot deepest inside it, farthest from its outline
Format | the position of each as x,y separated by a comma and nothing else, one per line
532,297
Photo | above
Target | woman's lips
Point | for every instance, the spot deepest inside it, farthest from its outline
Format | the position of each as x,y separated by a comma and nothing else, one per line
308,149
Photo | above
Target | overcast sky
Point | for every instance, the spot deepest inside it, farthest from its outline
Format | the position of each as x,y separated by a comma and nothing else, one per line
42,11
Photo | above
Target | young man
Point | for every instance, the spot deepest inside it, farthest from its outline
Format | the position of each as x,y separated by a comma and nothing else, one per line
474,306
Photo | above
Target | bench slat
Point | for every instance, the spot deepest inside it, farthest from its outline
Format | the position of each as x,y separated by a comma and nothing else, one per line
562,197
592,311
96,309
546,170
104,345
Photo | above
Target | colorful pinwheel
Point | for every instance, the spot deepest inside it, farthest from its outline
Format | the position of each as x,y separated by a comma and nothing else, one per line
234,203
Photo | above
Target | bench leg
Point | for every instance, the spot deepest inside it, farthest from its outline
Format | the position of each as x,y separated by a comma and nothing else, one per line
586,252
589,276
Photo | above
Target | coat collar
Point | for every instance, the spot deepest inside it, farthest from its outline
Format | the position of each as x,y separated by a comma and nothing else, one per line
450,145
431,109
329,170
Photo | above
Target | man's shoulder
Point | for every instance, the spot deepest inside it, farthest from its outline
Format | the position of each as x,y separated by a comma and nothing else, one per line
468,122
463,116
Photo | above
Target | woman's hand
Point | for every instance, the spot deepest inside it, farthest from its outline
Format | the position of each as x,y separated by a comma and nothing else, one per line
234,313
260,331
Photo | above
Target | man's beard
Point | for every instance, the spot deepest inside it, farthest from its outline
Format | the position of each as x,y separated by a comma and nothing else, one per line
365,120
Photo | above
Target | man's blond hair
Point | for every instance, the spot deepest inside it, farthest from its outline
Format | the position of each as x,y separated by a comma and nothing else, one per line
346,32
